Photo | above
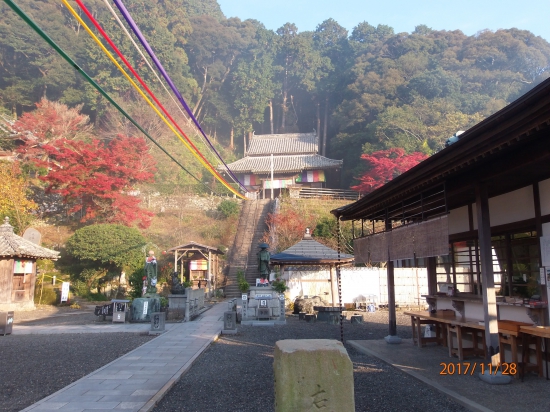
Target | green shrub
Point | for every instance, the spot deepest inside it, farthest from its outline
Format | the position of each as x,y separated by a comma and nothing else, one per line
96,297
47,296
97,254
135,280
279,285
228,208
244,286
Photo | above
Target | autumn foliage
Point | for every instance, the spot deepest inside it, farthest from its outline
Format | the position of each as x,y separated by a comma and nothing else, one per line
50,121
96,179
14,199
288,227
384,166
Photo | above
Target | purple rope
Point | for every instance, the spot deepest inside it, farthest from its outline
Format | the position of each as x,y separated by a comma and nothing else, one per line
142,40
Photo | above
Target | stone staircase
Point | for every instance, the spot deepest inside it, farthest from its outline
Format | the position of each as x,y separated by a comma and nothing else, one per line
250,230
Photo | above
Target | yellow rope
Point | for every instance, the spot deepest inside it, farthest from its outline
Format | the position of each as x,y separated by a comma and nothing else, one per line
108,54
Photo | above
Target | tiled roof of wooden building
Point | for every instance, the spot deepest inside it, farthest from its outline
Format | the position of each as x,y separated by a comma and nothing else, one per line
309,251
12,245
291,143
281,164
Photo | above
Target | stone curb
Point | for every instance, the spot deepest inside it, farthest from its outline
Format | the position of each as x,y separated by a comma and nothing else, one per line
462,400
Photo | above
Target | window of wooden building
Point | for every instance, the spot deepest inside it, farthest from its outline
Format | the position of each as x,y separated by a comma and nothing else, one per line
515,265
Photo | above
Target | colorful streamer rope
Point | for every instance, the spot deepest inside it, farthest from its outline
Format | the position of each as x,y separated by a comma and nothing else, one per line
65,56
188,144
145,44
210,148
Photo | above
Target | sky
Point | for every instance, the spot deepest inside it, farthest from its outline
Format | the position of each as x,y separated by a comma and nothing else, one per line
469,16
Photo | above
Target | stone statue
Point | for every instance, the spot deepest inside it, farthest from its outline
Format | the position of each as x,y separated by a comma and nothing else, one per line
263,261
177,288
151,273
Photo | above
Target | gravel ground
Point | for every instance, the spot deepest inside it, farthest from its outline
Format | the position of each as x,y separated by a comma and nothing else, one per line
236,372
35,366
57,315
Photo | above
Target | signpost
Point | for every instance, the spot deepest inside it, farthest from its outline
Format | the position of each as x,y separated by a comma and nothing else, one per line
65,292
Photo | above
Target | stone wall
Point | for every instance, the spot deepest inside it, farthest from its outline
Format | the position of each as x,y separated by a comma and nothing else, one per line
360,283
161,203
177,304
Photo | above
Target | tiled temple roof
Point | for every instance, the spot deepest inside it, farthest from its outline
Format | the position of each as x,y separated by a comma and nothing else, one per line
291,143
281,164
309,251
12,245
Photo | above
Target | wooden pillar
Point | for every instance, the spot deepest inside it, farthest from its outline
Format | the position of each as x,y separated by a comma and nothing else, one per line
391,299
209,283
392,338
176,262
487,276
538,223
432,275
334,286
182,268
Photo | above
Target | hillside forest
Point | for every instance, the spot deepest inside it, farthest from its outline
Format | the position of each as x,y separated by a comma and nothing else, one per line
365,90
371,94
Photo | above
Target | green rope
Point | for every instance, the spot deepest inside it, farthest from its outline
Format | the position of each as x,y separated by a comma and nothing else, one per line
58,49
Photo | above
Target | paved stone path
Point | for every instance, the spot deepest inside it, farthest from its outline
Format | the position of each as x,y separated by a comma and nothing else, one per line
139,379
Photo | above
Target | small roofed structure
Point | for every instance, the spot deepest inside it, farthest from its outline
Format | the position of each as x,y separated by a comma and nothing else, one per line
309,252
197,262
18,268
294,159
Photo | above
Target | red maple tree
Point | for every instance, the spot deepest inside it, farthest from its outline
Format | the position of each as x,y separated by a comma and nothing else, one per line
384,166
97,178
49,122
287,227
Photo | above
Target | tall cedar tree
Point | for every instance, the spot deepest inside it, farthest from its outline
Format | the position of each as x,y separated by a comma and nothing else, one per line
95,178
385,165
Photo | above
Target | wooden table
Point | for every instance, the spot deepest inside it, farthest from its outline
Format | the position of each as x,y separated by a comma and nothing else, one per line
539,333
426,318
460,326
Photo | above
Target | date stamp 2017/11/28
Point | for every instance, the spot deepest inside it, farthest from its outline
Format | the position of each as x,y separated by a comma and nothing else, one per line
469,368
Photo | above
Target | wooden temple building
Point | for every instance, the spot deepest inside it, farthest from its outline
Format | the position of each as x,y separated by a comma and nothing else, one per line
284,161
18,269
477,216
197,263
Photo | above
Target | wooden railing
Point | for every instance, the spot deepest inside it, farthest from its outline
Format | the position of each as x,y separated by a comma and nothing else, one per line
311,192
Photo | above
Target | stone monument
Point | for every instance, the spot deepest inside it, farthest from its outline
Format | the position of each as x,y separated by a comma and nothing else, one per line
143,307
313,374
